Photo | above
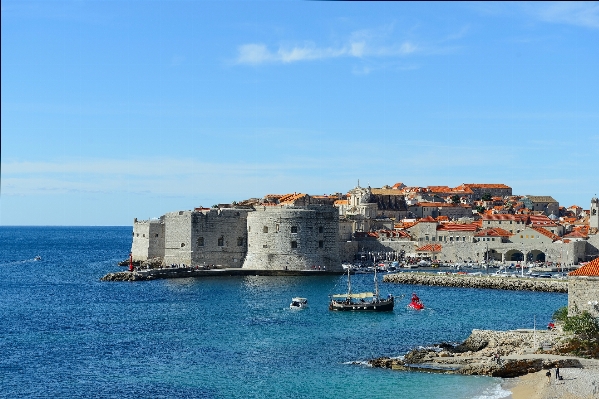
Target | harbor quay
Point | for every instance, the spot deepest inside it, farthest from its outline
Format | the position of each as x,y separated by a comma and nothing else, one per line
469,281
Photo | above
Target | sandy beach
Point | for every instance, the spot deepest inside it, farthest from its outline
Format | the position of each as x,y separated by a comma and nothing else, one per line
577,383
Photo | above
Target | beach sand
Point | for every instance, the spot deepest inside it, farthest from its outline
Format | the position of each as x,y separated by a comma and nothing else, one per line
576,384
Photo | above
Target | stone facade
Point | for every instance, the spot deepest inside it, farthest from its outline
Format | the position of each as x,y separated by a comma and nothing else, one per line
583,294
199,237
294,238
148,239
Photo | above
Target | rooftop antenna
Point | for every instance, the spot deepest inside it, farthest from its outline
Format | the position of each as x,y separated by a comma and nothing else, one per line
358,182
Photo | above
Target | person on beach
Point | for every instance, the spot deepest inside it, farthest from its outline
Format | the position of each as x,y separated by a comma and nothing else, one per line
548,374
557,373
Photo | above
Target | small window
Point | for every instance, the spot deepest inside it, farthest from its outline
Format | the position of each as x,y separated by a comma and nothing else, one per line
265,229
320,244
293,244
320,229
133,234
249,229
433,239
200,241
294,229
143,235
138,234
156,234
240,241
265,246
464,238
182,244
221,241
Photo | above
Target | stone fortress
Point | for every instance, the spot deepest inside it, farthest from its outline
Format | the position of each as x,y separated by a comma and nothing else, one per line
468,223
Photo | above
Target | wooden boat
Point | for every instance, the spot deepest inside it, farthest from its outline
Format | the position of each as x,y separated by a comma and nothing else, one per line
361,301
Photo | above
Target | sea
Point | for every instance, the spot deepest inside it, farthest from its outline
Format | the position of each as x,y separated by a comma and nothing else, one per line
66,334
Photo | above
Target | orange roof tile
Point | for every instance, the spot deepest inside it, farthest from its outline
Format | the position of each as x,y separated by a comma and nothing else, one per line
546,233
429,248
590,269
457,227
493,232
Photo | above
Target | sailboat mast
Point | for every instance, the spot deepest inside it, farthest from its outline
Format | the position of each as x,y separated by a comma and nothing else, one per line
348,283
376,282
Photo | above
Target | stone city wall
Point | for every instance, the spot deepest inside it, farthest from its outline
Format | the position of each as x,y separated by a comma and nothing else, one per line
148,239
219,237
583,294
293,238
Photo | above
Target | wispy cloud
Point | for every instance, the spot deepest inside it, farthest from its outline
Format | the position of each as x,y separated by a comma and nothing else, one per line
584,14
360,44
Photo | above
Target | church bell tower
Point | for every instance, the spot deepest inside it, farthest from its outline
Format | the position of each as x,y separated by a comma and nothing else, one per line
594,219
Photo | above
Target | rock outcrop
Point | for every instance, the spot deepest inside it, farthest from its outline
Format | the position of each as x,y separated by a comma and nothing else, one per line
520,352
456,280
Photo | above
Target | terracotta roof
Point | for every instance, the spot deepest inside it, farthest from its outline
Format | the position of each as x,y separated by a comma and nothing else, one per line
439,204
590,269
546,233
341,202
576,234
457,227
493,232
501,216
486,185
428,219
429,248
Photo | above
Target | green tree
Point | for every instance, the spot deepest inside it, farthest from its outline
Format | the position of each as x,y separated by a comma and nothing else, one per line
455,199
487,197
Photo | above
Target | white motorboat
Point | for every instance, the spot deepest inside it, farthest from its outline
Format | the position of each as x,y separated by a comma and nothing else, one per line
298,303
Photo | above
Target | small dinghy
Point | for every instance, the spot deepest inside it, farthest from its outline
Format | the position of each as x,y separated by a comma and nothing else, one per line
416,303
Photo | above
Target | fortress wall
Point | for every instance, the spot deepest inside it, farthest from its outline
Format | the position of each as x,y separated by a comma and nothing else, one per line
177,232
148,239
581,291
219,237
592,247
296,238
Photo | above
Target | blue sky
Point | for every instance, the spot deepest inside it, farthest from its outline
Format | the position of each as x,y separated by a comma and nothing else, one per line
120,109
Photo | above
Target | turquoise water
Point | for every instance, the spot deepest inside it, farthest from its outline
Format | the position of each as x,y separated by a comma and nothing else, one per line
66,334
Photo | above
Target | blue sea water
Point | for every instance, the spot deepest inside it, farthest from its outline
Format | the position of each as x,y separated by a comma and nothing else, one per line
64,333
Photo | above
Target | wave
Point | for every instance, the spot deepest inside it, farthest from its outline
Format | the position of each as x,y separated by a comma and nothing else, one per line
494,392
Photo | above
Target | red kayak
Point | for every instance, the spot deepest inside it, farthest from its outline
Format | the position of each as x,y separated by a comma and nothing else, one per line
416,304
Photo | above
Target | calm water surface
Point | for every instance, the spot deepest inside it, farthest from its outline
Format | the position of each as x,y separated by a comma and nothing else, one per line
63,333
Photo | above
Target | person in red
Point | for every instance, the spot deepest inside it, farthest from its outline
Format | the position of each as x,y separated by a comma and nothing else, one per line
415,297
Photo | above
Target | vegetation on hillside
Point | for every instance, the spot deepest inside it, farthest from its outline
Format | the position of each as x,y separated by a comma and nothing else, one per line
585,333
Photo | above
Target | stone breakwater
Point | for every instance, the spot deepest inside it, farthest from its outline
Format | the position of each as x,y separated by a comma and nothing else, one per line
520,352
466,281
184,272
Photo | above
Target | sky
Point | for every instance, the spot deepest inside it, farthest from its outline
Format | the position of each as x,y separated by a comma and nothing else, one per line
115,110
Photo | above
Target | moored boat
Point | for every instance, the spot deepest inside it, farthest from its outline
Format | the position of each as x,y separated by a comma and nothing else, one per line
361,301
298,303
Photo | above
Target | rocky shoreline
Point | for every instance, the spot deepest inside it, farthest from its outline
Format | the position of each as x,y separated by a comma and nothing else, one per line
476,355
466,281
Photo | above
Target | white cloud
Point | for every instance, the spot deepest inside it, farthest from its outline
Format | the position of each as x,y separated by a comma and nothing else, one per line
574,13
361,44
